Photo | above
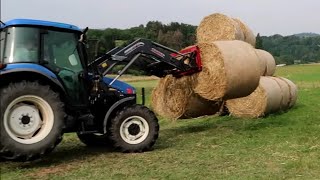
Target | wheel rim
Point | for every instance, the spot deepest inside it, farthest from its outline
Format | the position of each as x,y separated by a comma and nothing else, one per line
134,130
28,119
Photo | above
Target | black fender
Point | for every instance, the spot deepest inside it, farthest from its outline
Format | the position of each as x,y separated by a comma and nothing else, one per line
112,108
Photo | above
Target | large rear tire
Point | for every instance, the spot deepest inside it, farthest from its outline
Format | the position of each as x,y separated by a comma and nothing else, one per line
134,129
31,121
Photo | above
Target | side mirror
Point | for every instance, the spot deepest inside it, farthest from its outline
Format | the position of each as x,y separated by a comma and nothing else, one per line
73,60
83,36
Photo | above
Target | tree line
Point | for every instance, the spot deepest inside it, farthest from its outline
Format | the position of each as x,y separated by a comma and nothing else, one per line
174,35
285,49
291,49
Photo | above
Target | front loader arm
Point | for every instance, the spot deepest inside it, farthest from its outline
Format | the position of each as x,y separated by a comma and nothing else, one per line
151,57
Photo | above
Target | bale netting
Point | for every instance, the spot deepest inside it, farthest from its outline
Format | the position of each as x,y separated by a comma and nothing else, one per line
249,36
273,94
264,100
173,98
293,91
218,27
230,70
285,93
267,59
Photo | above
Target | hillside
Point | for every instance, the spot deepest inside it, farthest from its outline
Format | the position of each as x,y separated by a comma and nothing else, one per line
307,35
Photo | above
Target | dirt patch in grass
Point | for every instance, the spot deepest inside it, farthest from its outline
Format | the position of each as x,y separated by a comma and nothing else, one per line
53,170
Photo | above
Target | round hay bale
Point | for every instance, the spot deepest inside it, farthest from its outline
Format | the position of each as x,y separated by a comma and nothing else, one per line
198,106
169,97
156,99
264,100
285,93
173,98
268,59
230,70
249,37
218,27
293,92
262,63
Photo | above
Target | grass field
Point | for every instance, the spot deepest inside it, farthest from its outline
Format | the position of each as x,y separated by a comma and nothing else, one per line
285,145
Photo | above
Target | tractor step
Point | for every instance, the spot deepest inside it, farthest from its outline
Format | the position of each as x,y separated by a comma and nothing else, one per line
88,132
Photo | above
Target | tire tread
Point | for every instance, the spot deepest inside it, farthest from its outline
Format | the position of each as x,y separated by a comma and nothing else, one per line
146,145
12,150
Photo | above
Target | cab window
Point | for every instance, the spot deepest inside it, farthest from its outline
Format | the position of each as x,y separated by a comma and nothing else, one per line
22,45
60,50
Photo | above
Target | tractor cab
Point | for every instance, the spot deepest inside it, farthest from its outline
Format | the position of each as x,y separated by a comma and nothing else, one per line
39,44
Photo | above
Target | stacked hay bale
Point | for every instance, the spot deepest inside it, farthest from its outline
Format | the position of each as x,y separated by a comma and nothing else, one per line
273,94
204,92
174,98
248,35
267,63
217,27
293,89
231,69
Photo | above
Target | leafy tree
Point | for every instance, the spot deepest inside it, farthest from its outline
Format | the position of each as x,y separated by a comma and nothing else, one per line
259,42
288,49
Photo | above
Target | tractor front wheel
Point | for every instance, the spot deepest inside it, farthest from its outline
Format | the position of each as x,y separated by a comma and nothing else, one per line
31,120
134,129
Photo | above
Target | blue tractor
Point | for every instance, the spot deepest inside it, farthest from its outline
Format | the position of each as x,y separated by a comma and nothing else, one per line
48,88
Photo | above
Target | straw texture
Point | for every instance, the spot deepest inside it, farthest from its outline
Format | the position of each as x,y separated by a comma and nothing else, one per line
231,69
218,27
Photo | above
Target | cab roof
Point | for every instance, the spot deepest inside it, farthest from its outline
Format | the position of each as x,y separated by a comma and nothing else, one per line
34,22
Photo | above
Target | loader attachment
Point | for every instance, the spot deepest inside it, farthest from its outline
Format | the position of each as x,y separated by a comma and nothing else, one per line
191,56
151,57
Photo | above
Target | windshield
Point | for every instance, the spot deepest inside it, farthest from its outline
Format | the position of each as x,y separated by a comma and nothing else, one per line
22,45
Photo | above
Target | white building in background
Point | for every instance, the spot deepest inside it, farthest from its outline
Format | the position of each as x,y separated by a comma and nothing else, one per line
297,61
280,65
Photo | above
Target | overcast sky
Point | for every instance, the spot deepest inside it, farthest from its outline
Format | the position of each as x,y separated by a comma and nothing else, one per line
267,17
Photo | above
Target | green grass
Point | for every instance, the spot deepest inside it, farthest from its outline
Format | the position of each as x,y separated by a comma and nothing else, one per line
305,73
285,145
305,76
